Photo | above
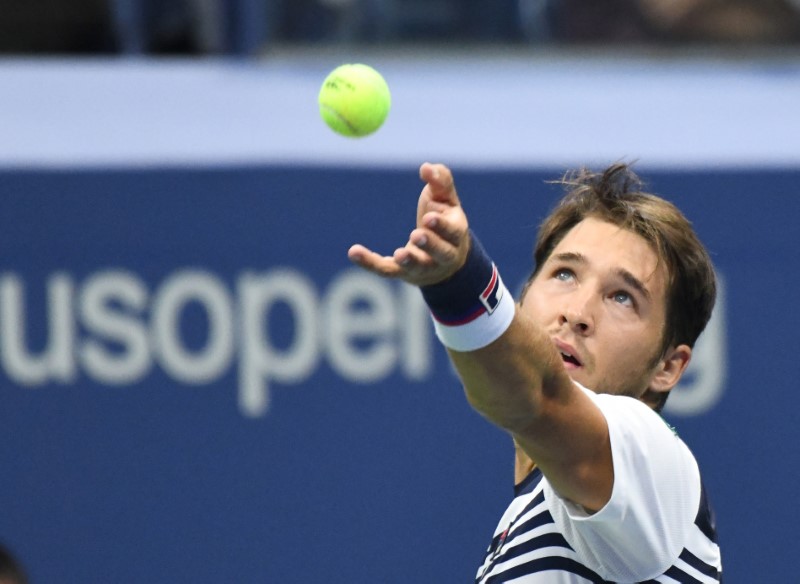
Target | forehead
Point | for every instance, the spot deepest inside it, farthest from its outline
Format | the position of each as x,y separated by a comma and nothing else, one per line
611,248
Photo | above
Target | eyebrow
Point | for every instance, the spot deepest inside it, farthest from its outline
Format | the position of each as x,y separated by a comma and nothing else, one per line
571,257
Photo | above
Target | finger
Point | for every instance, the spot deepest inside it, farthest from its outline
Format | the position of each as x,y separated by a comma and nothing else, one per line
440,182
412,258
437,250
385,266
437,207
451,229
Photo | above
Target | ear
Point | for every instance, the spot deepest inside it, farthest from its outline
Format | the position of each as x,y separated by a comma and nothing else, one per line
667,373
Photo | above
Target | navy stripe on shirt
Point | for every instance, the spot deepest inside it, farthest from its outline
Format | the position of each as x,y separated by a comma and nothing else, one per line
705,519
545,564
699,564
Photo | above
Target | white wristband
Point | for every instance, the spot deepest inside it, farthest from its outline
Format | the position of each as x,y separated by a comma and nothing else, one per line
481,331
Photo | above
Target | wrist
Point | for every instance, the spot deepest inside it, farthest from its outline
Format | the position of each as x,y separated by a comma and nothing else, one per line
472,308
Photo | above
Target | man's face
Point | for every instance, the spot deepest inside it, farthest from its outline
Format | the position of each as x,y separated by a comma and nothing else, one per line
601,296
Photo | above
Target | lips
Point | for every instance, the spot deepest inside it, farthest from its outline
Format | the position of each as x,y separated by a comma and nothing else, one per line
568,354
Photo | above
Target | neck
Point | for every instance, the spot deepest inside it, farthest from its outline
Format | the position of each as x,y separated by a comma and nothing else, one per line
523,464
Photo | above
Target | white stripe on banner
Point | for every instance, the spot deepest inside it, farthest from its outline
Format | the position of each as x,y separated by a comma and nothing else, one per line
516,109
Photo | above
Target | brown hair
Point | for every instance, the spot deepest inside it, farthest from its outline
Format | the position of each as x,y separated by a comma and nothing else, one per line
615,195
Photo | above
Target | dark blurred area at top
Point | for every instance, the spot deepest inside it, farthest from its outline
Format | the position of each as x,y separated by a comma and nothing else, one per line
249,27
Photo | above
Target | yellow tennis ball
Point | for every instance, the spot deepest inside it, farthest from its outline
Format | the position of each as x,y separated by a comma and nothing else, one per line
354,100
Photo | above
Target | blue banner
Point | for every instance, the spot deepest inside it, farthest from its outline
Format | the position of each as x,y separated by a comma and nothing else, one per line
197,386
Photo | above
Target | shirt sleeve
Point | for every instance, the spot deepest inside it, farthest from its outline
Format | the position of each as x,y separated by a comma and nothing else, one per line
642,529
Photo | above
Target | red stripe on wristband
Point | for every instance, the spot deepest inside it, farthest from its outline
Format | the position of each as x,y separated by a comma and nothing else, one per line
489,296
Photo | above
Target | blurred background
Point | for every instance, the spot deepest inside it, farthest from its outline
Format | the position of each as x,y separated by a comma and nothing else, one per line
196,386
249,27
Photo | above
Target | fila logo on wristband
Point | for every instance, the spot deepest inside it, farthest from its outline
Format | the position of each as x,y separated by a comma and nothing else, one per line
493,293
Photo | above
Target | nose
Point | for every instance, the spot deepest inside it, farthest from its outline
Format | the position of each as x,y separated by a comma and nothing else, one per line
577,315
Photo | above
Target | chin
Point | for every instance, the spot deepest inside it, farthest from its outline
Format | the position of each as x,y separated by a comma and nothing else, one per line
576,376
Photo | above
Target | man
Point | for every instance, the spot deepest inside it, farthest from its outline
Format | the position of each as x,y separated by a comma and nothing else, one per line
622,288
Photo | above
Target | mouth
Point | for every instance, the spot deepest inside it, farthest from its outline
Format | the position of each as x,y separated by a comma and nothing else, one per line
570,360
568,355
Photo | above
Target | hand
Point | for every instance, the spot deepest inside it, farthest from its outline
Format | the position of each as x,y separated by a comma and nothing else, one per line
438,247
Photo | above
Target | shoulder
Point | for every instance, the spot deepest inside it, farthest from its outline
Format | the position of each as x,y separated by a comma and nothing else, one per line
628,417
649,457
654,501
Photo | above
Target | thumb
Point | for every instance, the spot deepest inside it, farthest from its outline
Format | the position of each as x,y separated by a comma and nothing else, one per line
441,187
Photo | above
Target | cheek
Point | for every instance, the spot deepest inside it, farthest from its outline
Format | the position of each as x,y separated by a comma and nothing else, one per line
622,369
631,349
536,308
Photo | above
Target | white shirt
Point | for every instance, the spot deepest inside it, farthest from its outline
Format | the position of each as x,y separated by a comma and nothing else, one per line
656,523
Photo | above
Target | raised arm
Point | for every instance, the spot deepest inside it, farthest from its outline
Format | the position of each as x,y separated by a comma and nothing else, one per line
518,380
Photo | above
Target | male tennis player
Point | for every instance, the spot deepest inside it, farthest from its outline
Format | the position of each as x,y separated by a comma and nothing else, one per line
576,372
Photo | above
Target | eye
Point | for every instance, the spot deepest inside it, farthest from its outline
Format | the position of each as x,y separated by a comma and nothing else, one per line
622,297
563,274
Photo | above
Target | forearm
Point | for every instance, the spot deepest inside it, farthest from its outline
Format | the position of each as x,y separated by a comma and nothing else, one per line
507,363
510,380
519,383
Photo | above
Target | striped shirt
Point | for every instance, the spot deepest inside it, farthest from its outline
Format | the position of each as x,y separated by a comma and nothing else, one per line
657,527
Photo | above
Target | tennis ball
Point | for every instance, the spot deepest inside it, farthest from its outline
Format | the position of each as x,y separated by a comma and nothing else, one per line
354,100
